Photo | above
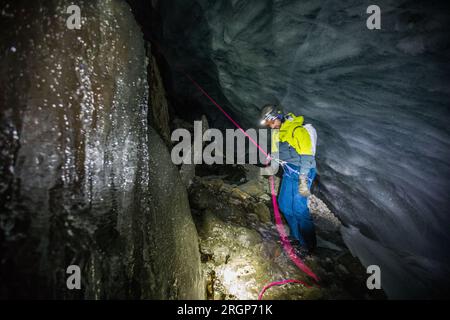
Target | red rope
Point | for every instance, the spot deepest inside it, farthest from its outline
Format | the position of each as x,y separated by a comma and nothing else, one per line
227,115
279,283
279,224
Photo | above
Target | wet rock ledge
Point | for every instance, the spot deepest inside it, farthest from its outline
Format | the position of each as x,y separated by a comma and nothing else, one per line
240,247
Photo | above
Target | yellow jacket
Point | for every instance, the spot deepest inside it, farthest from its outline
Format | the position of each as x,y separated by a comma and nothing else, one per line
295,134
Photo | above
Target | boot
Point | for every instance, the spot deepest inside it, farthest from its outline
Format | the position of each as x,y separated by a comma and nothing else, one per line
303,186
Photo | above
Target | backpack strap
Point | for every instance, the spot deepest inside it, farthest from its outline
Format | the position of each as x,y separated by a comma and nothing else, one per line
293,131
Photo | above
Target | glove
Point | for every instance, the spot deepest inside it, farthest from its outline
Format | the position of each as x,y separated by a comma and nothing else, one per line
303,186
272,169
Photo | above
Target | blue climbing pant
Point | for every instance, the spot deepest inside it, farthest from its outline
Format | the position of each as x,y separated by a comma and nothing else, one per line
295,207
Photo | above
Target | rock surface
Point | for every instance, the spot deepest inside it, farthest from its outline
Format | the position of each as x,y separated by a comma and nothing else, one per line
84,181
241,251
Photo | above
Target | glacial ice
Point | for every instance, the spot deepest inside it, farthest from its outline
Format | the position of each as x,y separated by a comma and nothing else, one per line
378,98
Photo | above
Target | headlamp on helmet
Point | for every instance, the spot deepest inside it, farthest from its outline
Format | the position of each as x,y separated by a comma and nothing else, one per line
272,115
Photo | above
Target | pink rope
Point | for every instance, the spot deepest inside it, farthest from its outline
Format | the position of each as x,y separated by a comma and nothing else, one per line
227,115
279,224
279,283
284,238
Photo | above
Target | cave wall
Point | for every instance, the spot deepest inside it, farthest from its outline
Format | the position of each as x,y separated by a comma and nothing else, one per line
378,98
84,179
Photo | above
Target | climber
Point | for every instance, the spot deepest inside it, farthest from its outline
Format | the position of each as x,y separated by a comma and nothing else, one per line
294,144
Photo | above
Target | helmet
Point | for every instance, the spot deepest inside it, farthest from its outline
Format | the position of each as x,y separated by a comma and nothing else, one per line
271,112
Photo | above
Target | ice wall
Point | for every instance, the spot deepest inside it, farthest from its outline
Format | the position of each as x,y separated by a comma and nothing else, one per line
84,180
379,99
